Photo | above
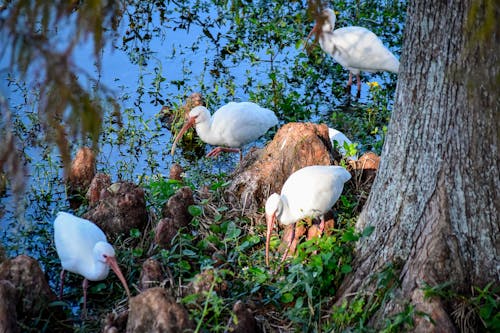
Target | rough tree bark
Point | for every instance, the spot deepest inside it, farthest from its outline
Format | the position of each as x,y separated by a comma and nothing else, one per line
436,200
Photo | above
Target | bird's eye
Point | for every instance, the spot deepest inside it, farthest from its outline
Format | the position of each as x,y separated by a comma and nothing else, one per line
104,256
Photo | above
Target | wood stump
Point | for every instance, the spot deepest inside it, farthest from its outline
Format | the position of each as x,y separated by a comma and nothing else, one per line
261,173
82,171
295,145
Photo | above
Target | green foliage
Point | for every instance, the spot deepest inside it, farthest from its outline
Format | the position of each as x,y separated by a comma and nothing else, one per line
366,122
314,274
214,306
400,322
160,189
487,301
356,313
131,142
484,303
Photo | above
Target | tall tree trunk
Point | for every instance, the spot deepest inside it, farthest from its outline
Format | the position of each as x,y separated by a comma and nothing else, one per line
436,200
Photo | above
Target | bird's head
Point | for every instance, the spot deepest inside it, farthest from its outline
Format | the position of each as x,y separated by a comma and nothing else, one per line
273,204
197,115
273,208
325,22
103,250
342,174
105,253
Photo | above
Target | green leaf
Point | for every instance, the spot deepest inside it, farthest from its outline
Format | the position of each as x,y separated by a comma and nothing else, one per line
298,44
189,253
243,246
350,236
183,264
255,289
99,287
309,290
232,231
346,269
190,299
299,302
258,274
135,233
58,303
286,298
485,312
195,210
215,228
137,252
165,254
222,209
249,242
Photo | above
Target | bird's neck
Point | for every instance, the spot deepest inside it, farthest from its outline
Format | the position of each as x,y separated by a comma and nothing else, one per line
327,43
204,131
99,271
284,213
328,25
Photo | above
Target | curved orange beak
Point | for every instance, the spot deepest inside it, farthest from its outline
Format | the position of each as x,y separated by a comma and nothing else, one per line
189,123
314,31
270,219
111,261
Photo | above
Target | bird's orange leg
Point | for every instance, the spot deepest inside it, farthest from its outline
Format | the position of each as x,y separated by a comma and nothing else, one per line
218,150
321,226
349,82
63,273
290,240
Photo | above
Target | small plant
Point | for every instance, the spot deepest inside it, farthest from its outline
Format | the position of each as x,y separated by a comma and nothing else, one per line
357,311
208,308
314,274
482,303
400,322
160,189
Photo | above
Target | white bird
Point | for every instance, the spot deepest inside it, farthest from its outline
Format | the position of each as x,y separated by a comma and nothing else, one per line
355,48
83,249
308,192
338,137
232,126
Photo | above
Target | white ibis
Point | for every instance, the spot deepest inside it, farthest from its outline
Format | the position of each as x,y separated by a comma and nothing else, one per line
308,192
355,48
83,249
339,137
232,126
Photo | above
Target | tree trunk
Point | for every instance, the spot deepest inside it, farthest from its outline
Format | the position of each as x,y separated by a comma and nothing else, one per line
435,201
